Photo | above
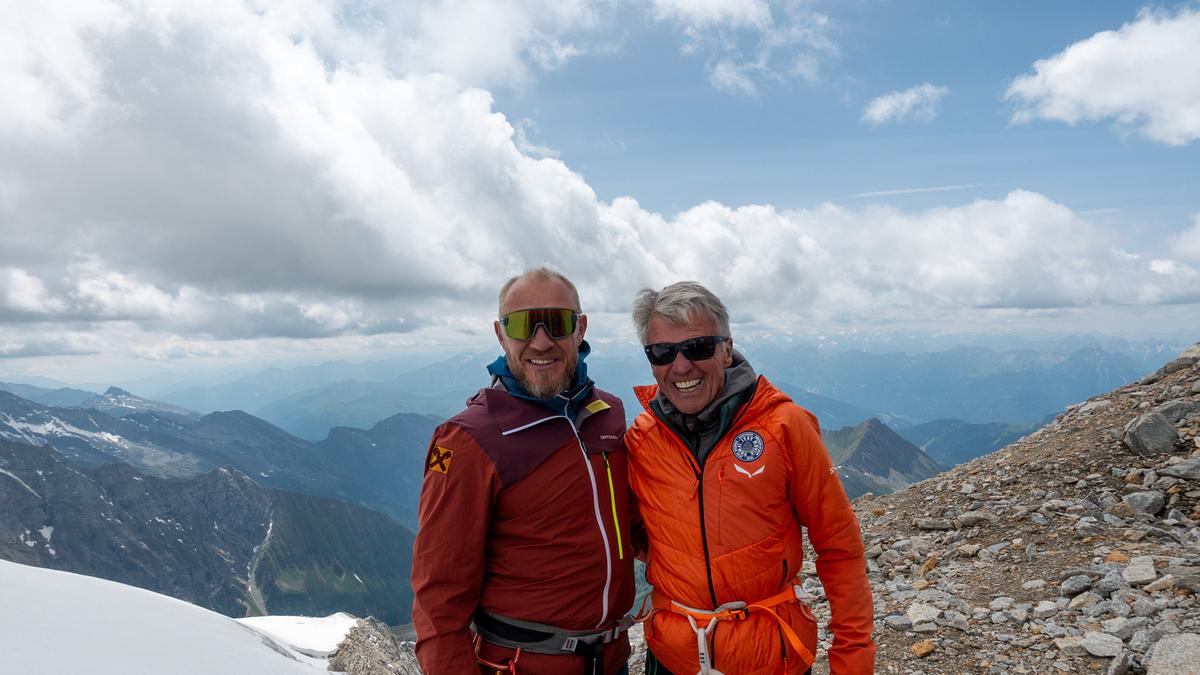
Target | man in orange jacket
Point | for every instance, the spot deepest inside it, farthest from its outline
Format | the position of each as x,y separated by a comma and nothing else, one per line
521,563
727,470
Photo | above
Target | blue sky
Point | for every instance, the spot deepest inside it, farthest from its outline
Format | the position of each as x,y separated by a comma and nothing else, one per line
644,120
201,186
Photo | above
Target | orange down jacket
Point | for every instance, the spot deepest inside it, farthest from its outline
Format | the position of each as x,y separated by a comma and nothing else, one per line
732,531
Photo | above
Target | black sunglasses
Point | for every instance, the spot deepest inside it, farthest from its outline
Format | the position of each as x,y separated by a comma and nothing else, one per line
693,349
559,322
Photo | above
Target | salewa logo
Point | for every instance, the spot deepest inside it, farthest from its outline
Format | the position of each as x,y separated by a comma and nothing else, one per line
752,475
608,437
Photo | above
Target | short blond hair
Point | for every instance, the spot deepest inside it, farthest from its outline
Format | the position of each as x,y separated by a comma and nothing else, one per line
543,273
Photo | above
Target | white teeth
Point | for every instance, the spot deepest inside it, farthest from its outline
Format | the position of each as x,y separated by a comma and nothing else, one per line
541,362
687,385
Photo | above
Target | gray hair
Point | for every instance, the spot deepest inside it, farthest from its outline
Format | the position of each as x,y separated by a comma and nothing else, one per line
544,274
680,303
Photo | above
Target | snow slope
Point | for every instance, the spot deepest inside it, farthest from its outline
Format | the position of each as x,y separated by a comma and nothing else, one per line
312,636
58,623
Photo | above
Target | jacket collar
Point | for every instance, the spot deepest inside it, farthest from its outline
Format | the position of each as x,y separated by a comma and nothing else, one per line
512,414
569,403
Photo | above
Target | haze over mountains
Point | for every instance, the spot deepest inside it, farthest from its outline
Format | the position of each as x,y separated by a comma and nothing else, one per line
843,384
972,383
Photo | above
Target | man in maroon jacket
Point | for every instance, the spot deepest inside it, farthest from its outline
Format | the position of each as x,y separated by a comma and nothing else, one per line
522,560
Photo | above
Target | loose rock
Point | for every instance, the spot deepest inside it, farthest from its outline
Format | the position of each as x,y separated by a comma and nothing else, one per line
1150,434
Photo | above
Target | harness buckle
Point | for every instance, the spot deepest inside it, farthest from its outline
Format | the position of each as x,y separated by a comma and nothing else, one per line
570,644
737,614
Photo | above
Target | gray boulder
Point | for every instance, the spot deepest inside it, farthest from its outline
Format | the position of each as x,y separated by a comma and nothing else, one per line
1149,502
1188,469
1150,434
1177,410
1175,655
1102,644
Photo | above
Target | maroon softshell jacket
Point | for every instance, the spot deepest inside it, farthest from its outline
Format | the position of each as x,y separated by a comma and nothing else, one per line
524,514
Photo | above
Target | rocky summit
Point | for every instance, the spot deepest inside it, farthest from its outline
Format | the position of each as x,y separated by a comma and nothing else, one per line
1076,549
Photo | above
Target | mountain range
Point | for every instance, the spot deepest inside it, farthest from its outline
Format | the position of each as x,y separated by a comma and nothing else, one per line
952,442
217,540
973,384
378,468
844,386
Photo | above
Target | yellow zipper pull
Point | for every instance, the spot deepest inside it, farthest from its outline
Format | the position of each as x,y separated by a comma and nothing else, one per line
612,494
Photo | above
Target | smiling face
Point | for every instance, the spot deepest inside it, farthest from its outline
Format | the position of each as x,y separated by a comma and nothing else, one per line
543,365
689,385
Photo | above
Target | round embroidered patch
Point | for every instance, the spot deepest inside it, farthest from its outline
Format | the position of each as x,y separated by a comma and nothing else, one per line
748,446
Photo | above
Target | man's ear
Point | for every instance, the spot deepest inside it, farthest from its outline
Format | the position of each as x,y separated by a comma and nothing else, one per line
582,327
499,332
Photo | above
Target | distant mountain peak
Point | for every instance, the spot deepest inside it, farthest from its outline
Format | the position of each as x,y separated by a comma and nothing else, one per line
117,391
872,457
876,425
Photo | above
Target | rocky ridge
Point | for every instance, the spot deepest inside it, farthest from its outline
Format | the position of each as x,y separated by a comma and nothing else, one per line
1075,549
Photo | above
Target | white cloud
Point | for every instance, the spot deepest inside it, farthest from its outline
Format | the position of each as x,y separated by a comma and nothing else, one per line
1146,75
1024,252
1187,243
732,77
48,71
244,179
521,131
484,43
23,293
114,295
749,43
917,103
68,344
709,13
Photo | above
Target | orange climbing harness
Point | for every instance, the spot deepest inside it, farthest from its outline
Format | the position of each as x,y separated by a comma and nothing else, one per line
704,621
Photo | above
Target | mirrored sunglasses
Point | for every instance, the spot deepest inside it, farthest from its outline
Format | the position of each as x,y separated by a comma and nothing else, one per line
559,322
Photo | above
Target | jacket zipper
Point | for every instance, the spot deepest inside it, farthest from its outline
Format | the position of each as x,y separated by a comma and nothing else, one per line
612,494
595,504
699,471
599,522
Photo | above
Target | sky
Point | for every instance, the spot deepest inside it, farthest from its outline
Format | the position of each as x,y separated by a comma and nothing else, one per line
195,186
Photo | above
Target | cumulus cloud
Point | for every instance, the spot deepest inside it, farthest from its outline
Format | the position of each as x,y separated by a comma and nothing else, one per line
257,174
1023,252
1143,76
748,43
23,293
917,103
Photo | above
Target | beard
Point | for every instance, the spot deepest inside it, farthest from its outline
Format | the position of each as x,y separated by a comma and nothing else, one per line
547,384
547,388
